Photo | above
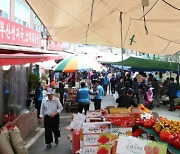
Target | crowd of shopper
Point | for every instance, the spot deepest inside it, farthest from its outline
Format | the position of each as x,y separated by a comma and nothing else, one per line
132,89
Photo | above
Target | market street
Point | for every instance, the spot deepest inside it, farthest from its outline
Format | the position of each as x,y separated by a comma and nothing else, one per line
64,146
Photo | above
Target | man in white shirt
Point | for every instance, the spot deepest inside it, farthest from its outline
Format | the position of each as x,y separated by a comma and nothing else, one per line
49,113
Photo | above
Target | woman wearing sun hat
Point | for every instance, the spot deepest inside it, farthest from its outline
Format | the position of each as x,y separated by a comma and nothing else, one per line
148,98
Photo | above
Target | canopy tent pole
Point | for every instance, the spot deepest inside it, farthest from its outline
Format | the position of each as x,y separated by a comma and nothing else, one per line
178,76
122,73
170,66
121,39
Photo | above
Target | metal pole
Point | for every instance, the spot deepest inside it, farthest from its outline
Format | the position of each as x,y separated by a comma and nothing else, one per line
120,19
121,40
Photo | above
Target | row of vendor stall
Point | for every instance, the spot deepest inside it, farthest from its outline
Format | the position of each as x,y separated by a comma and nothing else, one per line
124,131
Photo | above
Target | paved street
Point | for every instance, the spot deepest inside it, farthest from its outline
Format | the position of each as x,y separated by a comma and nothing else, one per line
64,146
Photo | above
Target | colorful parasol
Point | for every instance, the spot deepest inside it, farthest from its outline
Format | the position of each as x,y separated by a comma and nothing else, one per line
78,63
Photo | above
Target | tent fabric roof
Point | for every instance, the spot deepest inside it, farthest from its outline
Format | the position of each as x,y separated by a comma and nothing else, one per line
147,64
153,28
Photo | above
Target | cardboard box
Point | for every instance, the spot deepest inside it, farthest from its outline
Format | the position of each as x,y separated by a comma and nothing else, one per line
119,130
94,120
97,139
93,113
136,113
96,127
121,120
120,110
100,149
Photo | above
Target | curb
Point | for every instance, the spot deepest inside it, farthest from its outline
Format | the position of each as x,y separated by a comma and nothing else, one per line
34,139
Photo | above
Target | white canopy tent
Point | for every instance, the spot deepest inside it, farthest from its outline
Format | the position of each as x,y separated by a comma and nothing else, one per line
150,28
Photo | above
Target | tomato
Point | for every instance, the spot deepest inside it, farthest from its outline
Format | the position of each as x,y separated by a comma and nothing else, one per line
139,122
171,139
148,123
177,143
178,136
164,135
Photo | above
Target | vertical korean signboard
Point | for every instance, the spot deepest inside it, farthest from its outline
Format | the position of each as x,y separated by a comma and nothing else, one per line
13,33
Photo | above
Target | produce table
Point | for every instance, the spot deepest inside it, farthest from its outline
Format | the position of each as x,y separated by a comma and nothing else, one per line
153,133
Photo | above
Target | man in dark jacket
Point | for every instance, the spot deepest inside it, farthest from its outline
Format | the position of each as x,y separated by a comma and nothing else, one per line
61,90
38,98
172,88
126,100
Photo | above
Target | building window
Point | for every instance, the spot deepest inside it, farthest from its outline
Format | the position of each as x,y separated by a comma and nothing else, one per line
17,20
4,8
22,13
36,27
44,32
36,23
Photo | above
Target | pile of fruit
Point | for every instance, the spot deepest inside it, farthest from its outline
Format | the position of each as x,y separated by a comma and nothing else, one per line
168,130
144,109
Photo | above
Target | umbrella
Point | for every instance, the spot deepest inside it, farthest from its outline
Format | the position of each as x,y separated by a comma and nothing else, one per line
48,64
148,26
78,63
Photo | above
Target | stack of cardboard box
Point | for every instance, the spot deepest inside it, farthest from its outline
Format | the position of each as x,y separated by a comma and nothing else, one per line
97,138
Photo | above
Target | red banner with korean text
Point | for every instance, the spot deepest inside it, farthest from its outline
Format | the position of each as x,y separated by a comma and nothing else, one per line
16,34
55,46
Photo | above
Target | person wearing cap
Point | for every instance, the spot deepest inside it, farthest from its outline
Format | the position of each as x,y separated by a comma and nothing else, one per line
49,113
126,100
148,98
99,95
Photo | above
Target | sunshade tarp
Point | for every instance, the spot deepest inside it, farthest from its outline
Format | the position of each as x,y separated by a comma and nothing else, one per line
148,64
98,22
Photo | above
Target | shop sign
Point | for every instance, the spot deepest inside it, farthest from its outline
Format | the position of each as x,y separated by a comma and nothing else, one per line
133,145
55,46
16,34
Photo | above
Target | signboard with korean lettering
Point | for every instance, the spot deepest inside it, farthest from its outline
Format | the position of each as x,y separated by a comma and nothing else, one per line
134,145
16,34
55,46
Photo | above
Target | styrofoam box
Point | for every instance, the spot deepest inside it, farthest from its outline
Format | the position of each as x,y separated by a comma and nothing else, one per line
96,127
